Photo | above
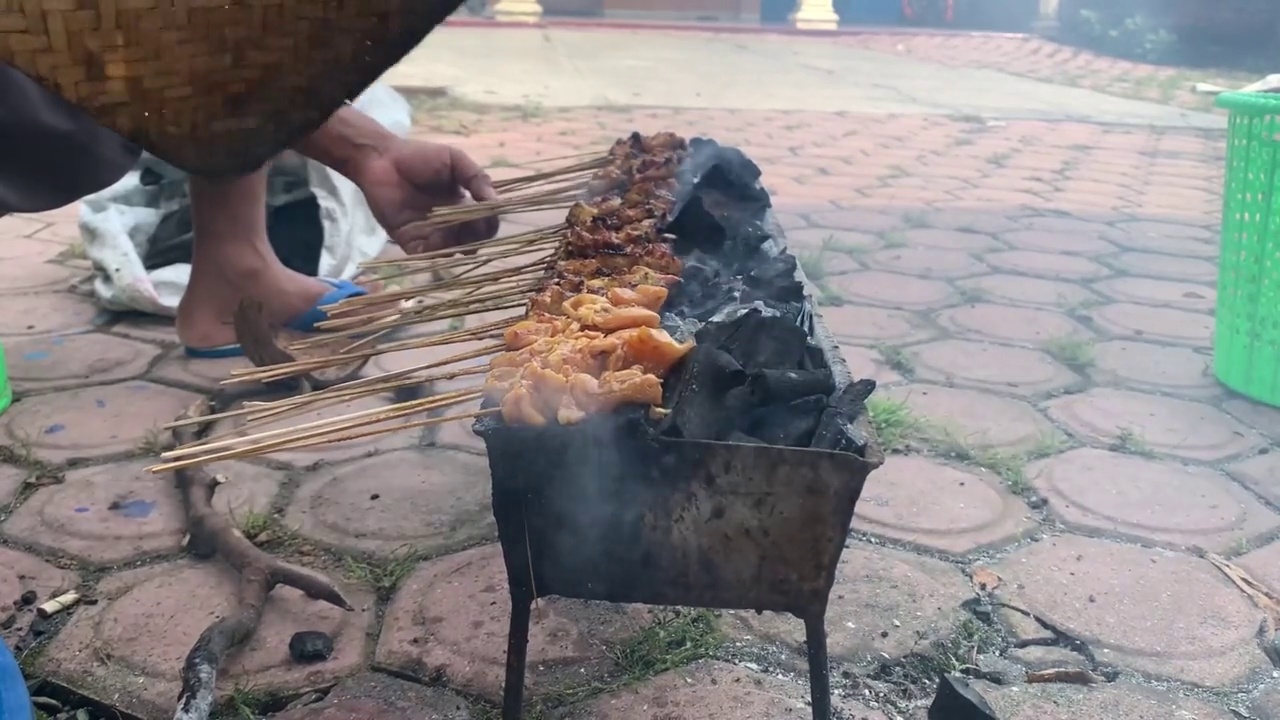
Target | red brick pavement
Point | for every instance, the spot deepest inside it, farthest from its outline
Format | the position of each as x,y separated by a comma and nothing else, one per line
1038,298
1053,62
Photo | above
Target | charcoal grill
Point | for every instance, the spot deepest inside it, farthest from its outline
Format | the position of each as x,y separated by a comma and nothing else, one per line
605,511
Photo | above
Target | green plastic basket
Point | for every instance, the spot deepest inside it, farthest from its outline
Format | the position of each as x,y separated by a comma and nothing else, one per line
1246,336
6,390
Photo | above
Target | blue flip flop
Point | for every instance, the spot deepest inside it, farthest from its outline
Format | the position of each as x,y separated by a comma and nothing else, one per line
306,322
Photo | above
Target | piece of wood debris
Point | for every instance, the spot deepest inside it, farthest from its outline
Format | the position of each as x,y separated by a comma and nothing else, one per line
1074,676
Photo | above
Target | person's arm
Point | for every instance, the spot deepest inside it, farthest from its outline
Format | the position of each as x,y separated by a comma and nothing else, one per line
347,142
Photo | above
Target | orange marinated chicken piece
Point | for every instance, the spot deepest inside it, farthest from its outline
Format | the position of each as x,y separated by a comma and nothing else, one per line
538,327
649,297
500,381
518,408
593,311
653,351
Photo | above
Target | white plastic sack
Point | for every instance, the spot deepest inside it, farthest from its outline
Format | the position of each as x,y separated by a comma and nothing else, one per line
118,224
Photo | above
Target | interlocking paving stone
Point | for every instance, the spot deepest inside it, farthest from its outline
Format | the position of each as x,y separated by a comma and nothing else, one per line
885,604
95,421
1114,701
1260,474
1052,266
20,573
1022,290
1182,246
25,266
1150,291
969,221
1171,231
1165,425
40,314
1154,368
925,262
1128,320
873,325
1169,267
332,452
151,329
200,373
1264,565
1149,500
1263,418
982,419
1156,612
832,238
705,691
434,501
860,220
74,360
948,509
1044,657
867,363
1057,242
114,513
1019,371
129,645
374,696
893,290
1032,327
449,619
950,240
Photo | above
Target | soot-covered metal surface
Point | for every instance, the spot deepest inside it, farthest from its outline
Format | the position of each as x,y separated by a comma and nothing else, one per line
742,495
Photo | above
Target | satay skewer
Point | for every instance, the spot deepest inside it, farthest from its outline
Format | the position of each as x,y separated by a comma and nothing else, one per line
286,370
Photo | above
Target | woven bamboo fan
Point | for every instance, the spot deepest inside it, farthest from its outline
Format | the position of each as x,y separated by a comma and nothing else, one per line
212,86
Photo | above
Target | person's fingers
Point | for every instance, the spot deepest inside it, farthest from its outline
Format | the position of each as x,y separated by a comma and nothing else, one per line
471,177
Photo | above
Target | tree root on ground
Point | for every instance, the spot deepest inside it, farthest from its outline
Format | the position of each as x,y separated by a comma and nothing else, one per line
212,535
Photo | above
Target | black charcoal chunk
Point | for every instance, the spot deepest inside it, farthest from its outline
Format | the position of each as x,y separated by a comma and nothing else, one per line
310,646
697,396
790,425
770,387
957,700
758,342
836,429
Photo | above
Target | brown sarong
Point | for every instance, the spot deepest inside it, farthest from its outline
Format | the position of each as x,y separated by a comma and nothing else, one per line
53,154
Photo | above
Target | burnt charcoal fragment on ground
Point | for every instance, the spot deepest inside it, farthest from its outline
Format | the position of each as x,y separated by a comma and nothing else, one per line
957,700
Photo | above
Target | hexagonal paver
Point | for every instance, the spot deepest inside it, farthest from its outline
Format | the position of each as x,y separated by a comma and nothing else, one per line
1071,225
885,604
374,696
1164,425
982,419
1022,290
75,360
1019,371
868,363
200,373
26,266
938,507
818,238
1057,242
41,314
1172,231
979,221
873,325
860,220
115,648
1185,247
1260,474
1151,291
950,240
925,262
1156,612
434,501
1263,418
1046,265
1110,701
1032,327
114,513
1264,565
450,617
147,328
893,290
1154,323
703,691
332,452
1150,500
95,421
1169,267
19,573
1156,368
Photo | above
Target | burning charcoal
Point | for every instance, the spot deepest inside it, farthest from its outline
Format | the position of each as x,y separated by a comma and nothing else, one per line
310,646
697,396
957,700
775,279
771,387
789,425
758,342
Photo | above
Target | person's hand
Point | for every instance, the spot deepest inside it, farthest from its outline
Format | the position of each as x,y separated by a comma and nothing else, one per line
410,178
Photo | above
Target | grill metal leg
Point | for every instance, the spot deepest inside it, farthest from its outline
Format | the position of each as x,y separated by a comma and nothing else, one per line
517,653
815,634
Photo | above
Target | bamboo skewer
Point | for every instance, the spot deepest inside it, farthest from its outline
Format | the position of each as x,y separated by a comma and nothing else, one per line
285,370
389,413
420,307
422,258
413,425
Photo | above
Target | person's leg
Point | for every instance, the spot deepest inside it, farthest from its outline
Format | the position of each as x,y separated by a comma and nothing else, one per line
233,260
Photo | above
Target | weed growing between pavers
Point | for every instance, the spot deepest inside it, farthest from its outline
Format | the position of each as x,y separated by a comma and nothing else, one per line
897,359
913,679
676,638
38,473
1075,353
384,574
1129,442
